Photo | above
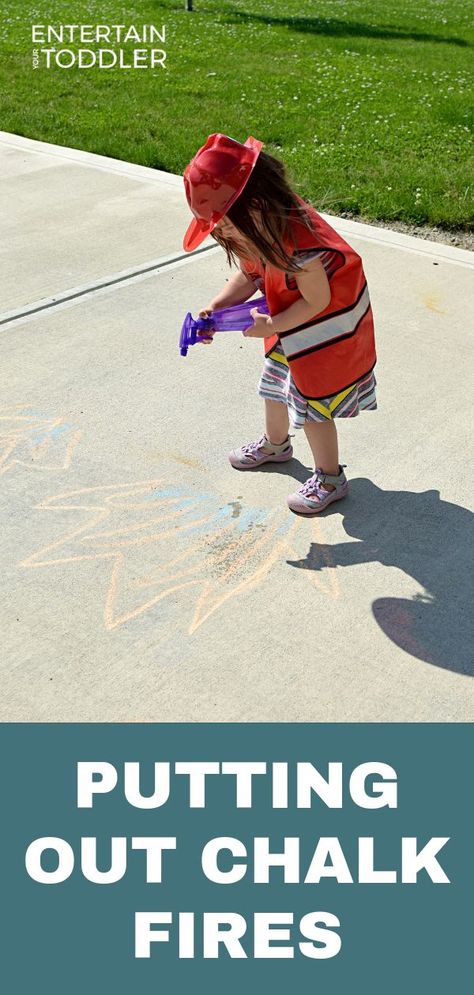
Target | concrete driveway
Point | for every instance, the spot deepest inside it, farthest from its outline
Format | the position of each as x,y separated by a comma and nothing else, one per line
143,579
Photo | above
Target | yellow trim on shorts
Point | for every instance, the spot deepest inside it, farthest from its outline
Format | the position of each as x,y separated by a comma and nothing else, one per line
327,410
340,397
323,410
278,357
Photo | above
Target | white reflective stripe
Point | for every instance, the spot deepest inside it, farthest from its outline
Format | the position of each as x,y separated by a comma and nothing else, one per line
311,254
306,257
326,330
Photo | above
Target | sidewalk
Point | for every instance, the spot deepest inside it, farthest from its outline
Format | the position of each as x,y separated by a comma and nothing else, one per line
144,579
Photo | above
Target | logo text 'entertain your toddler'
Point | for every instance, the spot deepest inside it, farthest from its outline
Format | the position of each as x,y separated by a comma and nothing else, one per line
58,46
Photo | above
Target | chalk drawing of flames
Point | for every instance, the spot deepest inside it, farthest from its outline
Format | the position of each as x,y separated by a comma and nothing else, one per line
160,542
35,440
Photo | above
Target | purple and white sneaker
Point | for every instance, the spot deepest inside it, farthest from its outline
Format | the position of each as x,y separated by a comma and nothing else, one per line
253,454
313,497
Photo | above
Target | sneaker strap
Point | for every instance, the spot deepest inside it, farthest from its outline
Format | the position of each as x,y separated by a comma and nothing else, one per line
271,447
333,478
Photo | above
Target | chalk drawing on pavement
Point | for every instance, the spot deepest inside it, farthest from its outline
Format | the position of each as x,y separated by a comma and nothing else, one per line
35,440
172,543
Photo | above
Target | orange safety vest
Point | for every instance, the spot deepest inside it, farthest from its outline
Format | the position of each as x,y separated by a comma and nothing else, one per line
336,347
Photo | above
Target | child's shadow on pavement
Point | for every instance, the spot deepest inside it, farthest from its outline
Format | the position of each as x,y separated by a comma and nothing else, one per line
427,538
293,468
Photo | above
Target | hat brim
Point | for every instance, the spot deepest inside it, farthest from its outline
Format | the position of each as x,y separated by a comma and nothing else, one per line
195,234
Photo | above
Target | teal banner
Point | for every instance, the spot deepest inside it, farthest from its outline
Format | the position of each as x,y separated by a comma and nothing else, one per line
151,858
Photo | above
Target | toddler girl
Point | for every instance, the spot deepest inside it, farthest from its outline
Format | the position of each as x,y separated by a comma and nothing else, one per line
319,337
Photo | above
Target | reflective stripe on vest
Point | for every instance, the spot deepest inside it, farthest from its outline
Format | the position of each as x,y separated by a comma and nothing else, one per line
309,337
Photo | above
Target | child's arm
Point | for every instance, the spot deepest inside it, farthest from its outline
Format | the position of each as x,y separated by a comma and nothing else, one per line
237,290
315,291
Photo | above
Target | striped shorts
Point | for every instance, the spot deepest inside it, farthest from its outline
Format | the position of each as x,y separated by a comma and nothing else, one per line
277,384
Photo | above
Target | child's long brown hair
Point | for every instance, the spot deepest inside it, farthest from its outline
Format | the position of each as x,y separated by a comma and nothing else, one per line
268,192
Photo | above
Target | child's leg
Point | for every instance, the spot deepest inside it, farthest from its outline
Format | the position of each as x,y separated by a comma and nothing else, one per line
273,447
322,437
276,422
328,483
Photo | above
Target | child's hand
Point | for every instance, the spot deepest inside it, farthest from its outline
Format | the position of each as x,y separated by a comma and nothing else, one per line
205,312
261,327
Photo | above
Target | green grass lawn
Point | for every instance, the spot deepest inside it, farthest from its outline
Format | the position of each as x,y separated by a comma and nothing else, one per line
369,102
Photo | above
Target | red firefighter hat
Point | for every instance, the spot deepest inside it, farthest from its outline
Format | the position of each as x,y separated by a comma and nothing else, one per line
213,180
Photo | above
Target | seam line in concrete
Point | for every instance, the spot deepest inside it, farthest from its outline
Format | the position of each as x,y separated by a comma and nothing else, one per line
124,277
